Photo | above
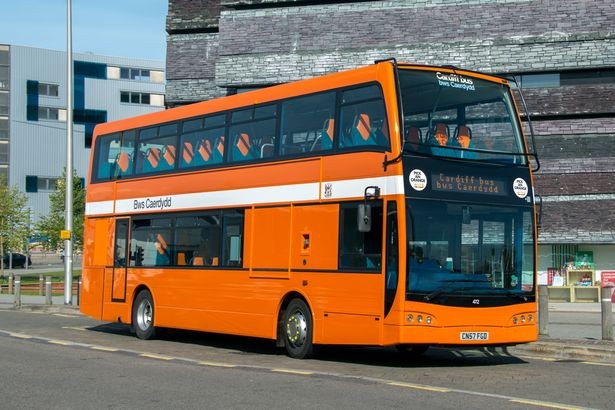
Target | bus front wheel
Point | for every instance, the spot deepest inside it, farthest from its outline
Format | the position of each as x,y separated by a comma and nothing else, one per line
298,329
143,316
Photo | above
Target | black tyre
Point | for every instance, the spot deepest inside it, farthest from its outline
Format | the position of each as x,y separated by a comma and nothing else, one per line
298,329
143,316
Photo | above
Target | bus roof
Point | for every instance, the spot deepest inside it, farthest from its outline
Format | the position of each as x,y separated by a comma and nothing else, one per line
274,93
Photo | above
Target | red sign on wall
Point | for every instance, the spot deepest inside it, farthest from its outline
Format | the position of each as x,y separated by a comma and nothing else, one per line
608,278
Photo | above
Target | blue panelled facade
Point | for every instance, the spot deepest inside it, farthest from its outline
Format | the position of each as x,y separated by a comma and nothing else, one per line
36,119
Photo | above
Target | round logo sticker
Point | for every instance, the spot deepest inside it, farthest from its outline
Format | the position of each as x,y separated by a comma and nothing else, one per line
418,179
520,188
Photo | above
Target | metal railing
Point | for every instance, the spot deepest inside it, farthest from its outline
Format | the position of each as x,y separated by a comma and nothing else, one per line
45,287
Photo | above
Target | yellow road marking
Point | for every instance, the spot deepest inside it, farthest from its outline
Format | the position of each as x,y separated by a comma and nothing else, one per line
600,364
60,342
104,349
291,371
82,328
419,387
545,359
216,364
20,336
545,404
155,356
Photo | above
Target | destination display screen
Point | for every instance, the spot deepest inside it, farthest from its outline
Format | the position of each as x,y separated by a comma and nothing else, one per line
467,184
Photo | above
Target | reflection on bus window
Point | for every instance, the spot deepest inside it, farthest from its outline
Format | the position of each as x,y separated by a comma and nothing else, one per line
363,118
157,149
308,124
202,148
468,248
115,155
206,239
151,242
253,133
360,250
454,116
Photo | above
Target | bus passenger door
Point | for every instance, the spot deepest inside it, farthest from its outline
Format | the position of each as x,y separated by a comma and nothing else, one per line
120,260
392,257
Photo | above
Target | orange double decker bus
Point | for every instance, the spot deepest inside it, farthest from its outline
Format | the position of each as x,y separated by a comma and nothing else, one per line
389,205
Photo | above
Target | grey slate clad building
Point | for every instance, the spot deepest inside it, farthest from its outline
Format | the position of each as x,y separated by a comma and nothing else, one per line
563,53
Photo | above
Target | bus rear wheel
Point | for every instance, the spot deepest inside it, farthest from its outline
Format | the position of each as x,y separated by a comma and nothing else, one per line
143,316
298,329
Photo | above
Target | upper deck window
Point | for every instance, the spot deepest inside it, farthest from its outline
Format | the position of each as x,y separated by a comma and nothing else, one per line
115,155
330,121
308,124
363,118
253,133
447,114
157,149
202,141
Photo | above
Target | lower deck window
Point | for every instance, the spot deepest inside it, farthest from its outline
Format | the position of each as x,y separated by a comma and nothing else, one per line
212,238
360,250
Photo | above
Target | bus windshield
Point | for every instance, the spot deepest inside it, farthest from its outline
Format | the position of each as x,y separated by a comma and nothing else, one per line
462,249
453,115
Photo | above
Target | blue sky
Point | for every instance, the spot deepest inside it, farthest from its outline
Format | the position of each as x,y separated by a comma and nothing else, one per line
120,28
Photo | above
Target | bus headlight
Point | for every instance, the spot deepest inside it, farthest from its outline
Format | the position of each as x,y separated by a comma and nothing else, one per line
419,318
523,319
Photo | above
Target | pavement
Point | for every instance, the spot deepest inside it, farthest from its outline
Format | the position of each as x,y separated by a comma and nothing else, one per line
576,345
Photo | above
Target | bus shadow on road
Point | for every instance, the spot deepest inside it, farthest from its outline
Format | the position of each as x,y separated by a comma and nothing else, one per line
433,357
373,356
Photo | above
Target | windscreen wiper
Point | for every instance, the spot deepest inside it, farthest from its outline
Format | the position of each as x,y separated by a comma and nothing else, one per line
516,295
439,291
434,294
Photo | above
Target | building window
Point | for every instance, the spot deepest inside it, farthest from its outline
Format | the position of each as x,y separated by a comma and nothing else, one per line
113,73
4,78
4,129
51,113
133,97
4,152
549,80
41,184
578,77
4,103
50,90
135,74
4,55
571,77
156,76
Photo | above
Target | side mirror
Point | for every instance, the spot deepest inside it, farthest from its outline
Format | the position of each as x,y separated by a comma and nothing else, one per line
364,218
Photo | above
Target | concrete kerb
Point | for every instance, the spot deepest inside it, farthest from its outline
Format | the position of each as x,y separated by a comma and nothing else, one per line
560,349
37,303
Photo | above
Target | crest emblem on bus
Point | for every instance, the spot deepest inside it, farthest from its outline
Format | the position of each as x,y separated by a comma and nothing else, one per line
328,190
